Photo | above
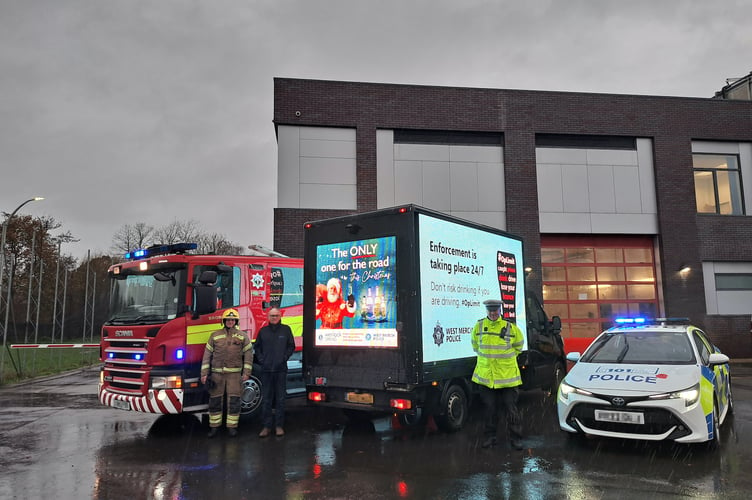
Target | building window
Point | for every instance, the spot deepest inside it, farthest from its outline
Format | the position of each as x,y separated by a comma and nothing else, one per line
589,282
718,182
733,282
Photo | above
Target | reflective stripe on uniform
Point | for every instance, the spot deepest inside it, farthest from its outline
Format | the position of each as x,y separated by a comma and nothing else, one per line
226,370
514,381
502,355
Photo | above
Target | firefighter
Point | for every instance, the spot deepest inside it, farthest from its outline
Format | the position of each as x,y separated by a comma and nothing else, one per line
497,343
227,363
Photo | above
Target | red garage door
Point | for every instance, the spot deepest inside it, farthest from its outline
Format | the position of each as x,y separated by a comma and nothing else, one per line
589,281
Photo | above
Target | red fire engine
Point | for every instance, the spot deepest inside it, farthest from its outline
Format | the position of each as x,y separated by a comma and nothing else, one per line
164,305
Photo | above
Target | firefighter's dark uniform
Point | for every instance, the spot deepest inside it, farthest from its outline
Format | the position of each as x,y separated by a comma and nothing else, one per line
228,356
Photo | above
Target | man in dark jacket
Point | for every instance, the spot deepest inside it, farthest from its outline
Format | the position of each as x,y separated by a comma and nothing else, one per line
274,346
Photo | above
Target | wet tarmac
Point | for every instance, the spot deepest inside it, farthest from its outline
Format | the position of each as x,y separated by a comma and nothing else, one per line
57,441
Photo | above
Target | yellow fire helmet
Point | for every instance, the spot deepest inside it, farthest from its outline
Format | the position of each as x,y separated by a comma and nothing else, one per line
230,314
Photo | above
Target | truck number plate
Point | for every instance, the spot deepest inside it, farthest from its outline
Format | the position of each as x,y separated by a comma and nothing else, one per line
363,398
121,405
621,417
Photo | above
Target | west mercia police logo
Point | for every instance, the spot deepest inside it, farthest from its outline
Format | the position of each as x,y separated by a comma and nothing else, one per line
438,334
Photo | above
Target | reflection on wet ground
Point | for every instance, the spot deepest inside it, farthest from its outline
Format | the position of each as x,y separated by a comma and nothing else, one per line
84,450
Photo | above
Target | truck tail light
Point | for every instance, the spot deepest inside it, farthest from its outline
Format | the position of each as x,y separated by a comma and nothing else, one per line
316,396
401,404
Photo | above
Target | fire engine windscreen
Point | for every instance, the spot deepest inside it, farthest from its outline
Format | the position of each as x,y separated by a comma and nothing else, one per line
151,296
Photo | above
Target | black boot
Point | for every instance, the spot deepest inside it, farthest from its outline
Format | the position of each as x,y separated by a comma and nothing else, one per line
212,432
232,431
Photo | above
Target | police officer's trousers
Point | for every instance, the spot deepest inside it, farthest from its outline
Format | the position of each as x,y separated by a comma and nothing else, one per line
493,400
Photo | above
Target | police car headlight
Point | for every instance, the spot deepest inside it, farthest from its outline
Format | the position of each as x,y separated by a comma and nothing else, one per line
171,382
565,390
690,395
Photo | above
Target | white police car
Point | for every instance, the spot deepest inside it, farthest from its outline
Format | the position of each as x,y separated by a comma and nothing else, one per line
650,380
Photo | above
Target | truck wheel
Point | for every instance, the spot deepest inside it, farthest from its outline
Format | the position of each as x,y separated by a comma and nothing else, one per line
250,398
557,376
454,409
418,420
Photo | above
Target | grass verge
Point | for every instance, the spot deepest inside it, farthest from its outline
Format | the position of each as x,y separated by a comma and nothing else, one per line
21,364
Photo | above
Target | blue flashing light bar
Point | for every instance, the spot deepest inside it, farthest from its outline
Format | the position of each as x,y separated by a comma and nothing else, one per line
630,321
650,321
180,354
143,253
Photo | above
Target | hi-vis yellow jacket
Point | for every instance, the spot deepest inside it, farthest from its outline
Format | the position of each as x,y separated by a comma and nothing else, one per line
497,344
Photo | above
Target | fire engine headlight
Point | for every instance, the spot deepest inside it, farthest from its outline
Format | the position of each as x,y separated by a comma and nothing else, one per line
171,382
565,390
690,395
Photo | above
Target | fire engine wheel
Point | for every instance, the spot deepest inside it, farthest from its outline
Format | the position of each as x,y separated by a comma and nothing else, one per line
454,409
250,398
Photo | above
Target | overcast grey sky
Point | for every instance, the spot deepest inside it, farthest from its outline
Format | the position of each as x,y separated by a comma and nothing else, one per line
126,111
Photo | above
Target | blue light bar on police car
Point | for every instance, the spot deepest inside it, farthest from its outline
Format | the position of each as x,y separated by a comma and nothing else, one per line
630,321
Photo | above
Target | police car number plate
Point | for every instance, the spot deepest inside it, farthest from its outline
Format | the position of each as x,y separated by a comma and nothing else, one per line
359,397
120,404
621,417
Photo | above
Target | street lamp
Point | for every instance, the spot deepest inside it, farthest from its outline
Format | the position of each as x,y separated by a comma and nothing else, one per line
5,230
2,274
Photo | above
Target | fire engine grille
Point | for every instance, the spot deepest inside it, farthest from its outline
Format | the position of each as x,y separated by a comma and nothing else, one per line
124,365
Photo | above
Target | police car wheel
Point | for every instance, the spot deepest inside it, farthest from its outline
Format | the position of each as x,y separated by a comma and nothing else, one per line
730,410
715,442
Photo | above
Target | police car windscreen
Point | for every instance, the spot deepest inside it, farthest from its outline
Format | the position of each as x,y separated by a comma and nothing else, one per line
641,347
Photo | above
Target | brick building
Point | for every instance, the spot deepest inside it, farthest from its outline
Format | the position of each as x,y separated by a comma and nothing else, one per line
627,204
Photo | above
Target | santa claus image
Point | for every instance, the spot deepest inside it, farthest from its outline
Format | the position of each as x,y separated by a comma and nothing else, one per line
331,307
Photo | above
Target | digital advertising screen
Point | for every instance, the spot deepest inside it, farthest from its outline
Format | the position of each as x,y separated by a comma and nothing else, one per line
356,291
460,267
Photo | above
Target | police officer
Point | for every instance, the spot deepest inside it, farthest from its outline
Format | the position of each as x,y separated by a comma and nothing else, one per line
228,361
497,343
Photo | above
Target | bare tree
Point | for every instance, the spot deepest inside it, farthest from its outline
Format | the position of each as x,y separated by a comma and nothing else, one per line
130,237
177,232
217,244
139,235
